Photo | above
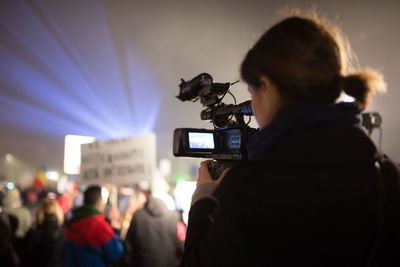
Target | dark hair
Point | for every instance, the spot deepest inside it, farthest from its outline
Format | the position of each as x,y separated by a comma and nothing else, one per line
92,195
306,60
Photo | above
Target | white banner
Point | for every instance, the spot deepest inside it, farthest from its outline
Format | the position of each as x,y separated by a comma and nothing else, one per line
72,152
119,162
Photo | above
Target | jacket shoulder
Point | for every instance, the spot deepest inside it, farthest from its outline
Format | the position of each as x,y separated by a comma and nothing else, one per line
93,231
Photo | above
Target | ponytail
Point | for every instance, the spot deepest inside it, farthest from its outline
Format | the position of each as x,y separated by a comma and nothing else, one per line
362,84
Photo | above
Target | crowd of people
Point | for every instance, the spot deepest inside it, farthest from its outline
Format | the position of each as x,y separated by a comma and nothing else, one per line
89,234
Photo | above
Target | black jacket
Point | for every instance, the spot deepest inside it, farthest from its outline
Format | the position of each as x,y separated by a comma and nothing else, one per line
151,240
45,244
8,226
310,201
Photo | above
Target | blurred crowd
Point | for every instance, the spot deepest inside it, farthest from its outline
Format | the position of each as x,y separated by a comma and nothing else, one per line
86,228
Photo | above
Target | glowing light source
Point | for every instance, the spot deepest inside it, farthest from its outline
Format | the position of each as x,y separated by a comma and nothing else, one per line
72,152
9,158
10,186
52,175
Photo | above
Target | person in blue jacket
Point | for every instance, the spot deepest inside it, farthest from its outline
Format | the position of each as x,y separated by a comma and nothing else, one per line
89,239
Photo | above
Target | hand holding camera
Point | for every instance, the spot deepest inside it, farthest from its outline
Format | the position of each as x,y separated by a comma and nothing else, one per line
211,172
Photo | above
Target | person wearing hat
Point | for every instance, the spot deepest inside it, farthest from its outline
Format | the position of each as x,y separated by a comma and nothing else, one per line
12,205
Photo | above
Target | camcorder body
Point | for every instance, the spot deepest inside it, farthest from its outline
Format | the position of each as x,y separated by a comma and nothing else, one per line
227,143
219,144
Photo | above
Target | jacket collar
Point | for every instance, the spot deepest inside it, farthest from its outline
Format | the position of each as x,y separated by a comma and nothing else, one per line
342,114
83,212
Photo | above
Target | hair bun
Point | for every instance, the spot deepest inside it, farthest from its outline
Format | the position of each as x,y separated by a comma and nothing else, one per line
362,84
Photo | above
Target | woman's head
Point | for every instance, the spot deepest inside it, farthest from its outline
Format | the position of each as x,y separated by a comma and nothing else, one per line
49,207
307,62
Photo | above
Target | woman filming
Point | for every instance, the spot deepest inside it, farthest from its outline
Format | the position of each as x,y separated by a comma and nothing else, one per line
307,196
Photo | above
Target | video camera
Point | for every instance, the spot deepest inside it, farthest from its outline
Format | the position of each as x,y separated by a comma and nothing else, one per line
227,142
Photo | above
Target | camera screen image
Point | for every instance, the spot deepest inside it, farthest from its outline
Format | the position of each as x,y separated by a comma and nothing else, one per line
201,140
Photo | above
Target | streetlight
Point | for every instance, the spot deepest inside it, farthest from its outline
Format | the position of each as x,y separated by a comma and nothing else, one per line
9,158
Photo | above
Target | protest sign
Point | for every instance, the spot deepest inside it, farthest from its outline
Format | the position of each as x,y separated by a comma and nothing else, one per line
124,161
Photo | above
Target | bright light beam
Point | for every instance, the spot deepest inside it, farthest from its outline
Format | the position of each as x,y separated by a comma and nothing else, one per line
63,76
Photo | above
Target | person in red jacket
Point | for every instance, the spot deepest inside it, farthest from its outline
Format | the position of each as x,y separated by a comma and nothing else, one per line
89,239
